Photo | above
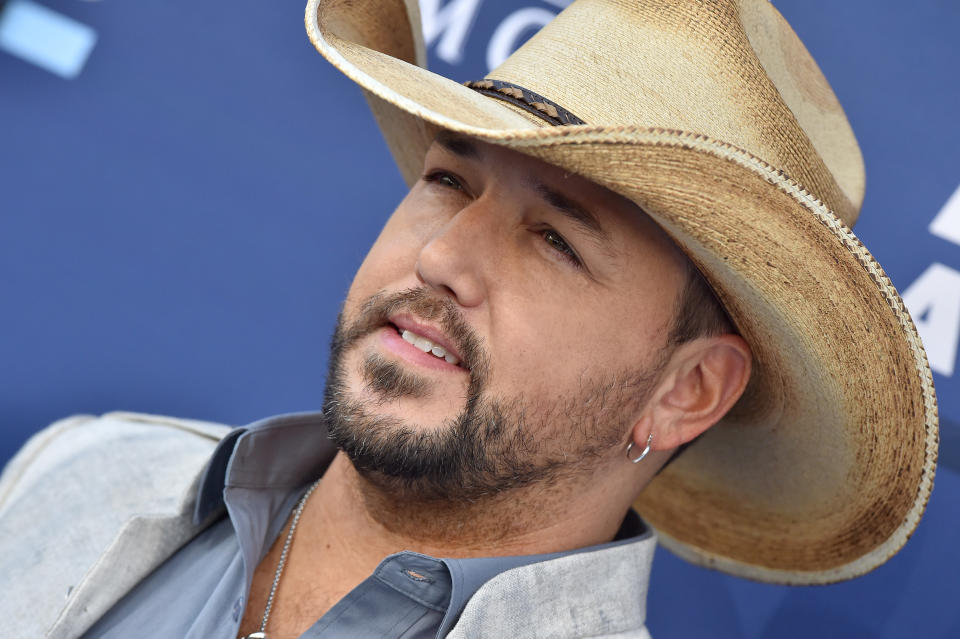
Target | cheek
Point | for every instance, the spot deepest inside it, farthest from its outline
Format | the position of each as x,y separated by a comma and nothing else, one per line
390,262
540,345
551,345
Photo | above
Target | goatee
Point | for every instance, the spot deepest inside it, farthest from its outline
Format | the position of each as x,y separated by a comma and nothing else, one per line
490,447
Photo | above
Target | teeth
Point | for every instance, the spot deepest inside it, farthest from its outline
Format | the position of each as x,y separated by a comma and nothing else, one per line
427,346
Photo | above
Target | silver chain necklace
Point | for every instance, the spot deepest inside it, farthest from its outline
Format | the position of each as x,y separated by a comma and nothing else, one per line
262,633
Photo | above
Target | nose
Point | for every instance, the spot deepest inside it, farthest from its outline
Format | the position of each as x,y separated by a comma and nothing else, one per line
457,258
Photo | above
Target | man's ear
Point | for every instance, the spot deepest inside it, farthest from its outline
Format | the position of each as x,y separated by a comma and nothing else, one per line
704,379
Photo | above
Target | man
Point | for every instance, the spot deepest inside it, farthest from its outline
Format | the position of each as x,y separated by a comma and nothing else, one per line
529,342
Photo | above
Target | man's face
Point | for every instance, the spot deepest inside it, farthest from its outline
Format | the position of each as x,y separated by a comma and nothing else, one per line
505,328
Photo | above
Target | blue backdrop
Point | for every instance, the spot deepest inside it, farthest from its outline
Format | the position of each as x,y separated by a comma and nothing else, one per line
187,188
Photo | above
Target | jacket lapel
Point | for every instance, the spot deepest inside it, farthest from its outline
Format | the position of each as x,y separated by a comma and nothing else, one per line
84,481
597,594
144,542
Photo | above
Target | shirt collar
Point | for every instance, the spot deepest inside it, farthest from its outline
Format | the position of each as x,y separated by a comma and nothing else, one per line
283,452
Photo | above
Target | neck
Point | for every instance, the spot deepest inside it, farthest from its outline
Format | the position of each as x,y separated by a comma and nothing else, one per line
352,512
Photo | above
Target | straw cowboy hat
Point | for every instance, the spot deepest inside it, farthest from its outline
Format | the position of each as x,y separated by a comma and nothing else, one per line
711,116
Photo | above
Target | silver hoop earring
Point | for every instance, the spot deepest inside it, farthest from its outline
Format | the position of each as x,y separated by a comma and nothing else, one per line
637,460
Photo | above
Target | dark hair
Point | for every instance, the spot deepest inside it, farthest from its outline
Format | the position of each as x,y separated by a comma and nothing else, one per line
699,314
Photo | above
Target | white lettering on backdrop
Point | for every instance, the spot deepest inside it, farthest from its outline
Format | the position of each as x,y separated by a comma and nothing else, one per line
934,298
449,27
946,224
934,302
451,24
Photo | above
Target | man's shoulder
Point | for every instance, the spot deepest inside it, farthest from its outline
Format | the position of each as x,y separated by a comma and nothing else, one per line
84,489
113,444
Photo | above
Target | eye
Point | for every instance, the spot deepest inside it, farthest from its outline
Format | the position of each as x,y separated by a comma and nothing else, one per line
443,178
558,244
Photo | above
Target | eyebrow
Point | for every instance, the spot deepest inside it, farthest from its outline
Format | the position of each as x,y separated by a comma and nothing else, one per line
572,211
580,216
458,145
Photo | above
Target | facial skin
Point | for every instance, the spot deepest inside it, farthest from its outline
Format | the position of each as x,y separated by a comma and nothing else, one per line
556,294
562,331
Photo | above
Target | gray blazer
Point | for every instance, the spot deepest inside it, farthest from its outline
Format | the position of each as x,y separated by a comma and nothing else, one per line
91,505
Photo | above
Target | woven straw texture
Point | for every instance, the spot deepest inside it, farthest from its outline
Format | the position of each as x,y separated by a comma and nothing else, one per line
713,118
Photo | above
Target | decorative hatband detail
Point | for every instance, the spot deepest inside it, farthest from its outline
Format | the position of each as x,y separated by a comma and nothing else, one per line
526,100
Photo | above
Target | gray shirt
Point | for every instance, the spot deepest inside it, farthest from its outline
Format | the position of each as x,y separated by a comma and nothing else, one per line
249,488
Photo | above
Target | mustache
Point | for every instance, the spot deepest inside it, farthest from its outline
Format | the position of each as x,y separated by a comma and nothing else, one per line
425,304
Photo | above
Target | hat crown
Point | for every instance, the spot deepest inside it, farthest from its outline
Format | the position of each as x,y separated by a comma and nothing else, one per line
731,70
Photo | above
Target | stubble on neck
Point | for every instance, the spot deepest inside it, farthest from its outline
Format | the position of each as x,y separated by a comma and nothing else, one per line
533,519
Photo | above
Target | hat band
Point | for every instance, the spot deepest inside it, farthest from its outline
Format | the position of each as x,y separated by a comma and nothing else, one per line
526,100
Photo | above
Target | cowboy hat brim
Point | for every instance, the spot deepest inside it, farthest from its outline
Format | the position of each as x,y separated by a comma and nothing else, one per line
823,469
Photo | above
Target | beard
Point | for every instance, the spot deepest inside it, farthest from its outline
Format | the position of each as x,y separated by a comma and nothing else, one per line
494,444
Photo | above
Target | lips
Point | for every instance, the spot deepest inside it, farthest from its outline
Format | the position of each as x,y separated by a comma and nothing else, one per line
427,346
428,339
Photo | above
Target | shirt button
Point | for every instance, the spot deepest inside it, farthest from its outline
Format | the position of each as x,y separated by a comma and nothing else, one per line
237,609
